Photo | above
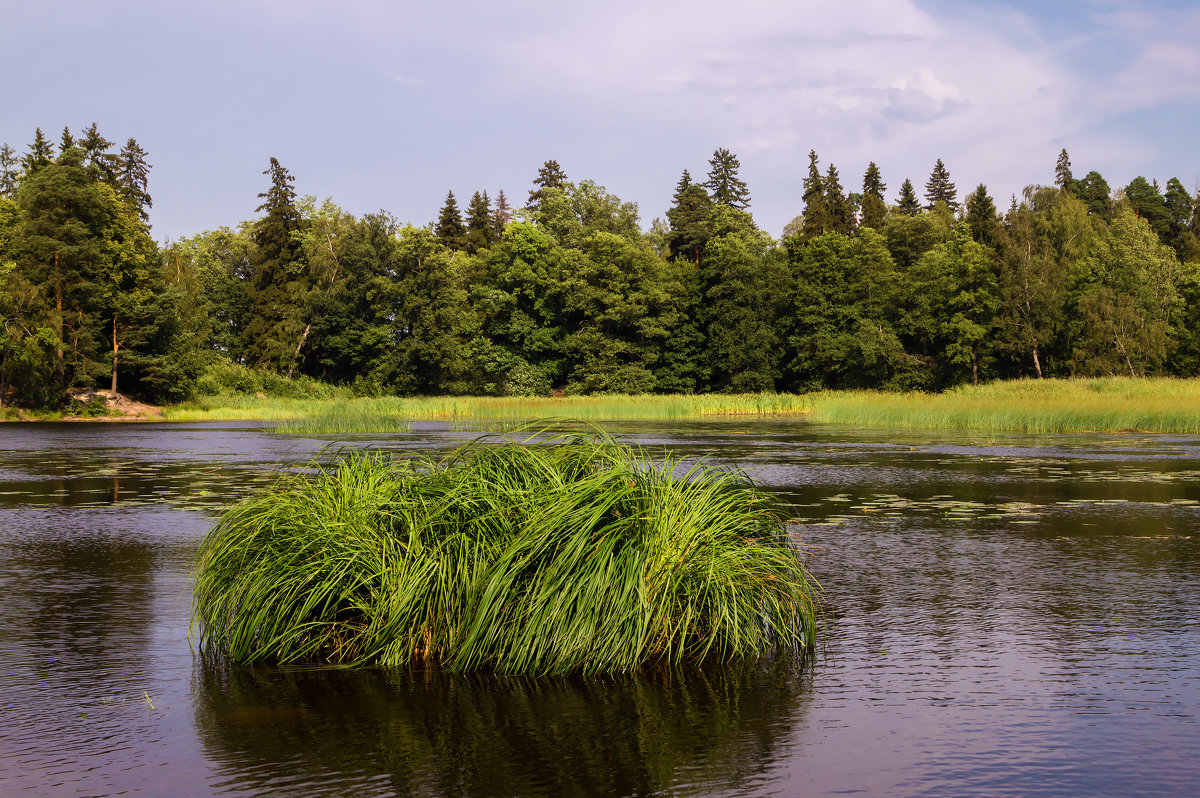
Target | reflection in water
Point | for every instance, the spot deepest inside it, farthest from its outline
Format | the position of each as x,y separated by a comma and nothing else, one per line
687,731
1009,615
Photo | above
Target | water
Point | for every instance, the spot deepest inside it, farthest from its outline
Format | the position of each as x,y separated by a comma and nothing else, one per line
1008,615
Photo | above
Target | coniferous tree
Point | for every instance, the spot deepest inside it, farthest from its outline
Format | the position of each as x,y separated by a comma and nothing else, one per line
275,322
874,207
1147,202
40,155
97,151
551,175
501,216
841,216
132,179
479,223
67,141
9,170
1179,210
816,213
982,219
689,220
939,188
450,230
1094,191
1062,172
723,185
908,204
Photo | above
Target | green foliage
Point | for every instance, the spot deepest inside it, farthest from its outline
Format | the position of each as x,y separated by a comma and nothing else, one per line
908,204
816,213
724,186
874,207
565,556
450,230
939,188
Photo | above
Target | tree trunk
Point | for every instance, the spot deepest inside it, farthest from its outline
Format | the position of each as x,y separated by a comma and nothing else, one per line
1037,364
974,366
115,345
299,346
62,368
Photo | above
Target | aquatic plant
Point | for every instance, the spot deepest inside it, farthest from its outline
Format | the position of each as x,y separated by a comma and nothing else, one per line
345,418
560,555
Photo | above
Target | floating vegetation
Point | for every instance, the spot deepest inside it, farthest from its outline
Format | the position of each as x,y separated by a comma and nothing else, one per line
571,554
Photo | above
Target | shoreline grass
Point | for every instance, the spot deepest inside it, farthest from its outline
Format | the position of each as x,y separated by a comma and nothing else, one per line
571,554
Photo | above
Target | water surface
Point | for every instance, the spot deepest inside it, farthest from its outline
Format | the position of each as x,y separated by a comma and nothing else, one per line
1008,614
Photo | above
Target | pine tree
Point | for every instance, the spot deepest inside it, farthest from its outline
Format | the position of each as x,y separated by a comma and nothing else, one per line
981,218
690,221
100,161
40,155
939,188
1147,202
816,214
724,187
841,217
479,223
685,180
132,179
1094,191
501,216
450,230
908,204
1062,172
551,175
9,170
874,207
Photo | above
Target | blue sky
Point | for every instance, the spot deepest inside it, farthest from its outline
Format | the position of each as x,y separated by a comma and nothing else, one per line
389,104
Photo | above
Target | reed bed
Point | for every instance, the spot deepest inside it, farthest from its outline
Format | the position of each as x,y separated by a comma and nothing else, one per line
572,554
345,418
1115,404
496,409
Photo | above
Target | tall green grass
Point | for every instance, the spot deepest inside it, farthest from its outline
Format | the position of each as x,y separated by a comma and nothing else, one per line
1111,404
567,555
342,418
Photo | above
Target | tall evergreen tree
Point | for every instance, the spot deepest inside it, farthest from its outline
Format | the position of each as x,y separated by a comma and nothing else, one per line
690,221
67,141
939,188
9,170
450,230
816,213
551,175
501,216
1062,172
1147,202
982,220
724,186
479,222
685,180
874,207
1179,211
908,204
1094,191
275,322
841,215
40,155
99,158
132,179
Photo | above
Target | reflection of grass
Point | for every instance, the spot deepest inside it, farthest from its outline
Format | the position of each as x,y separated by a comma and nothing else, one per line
501,409
1085,405
574,555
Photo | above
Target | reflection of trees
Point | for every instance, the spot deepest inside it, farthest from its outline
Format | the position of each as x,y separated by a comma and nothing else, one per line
432,732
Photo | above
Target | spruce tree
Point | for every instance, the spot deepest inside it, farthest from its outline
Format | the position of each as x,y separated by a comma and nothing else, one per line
67,141
1179,211
908,204
9,170
40,155
981,217
816,214
723,185
279,286
551,175
100,161
874,207
479,223
685,180
939,188
450,230
132,179
501,216
841,216
690,221
1062,172
1094,191
1146,201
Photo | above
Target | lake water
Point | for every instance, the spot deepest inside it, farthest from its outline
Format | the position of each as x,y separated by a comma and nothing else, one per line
1006,615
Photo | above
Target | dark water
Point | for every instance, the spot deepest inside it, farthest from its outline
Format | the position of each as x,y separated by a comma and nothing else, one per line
1009,615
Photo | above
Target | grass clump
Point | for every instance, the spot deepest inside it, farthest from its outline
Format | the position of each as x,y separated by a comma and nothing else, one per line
568,555
344,418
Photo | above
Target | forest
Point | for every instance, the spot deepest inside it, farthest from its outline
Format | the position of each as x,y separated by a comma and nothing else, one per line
569,294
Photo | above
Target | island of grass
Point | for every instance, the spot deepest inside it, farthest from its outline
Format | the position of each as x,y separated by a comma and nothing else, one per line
561,555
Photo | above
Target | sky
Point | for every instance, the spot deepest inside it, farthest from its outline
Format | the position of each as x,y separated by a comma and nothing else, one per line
386,104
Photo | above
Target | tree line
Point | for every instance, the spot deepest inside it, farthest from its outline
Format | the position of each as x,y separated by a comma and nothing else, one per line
569,293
